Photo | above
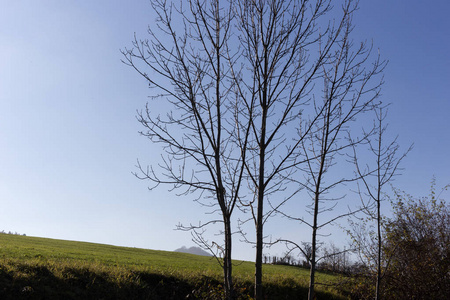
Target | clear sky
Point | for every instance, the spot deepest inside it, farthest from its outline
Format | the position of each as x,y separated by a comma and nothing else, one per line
69,138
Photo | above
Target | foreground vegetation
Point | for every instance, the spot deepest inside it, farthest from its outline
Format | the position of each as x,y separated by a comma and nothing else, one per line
39,268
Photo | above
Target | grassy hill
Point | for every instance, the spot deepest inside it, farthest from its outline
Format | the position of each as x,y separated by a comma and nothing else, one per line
40,268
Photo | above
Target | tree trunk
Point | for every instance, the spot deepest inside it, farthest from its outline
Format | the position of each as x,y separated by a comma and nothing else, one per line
261,182
377,288
378,201
261,187
227,263
312,273
258,262
259,228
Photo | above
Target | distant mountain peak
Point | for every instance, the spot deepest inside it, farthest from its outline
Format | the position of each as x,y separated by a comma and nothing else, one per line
193,250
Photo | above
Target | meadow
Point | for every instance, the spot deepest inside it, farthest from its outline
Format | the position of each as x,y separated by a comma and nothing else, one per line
41,268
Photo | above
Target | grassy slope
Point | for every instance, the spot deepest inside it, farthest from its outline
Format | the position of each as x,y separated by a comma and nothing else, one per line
38,268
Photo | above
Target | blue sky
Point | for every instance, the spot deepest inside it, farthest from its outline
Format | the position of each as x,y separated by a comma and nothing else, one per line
69,138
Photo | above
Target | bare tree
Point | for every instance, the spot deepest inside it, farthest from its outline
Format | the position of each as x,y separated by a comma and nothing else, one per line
334,259
242,79
278,39
380,173
275,84
350,89
188,63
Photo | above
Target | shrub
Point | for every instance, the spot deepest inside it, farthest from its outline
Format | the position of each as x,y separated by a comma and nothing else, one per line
418,248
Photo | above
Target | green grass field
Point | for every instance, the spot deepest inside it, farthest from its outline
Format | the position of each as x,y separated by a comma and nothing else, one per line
40,268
